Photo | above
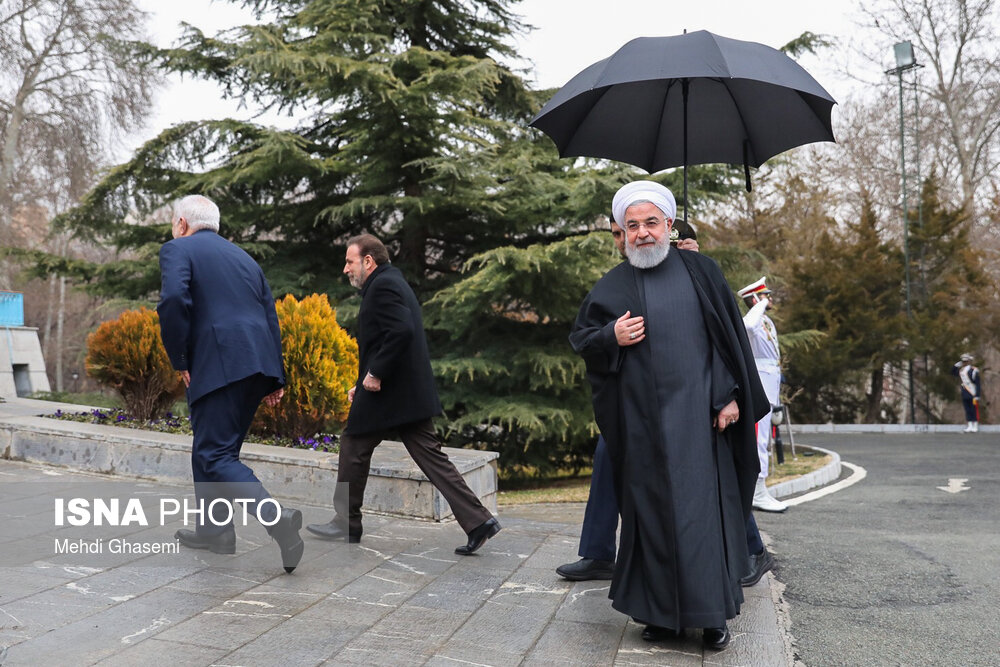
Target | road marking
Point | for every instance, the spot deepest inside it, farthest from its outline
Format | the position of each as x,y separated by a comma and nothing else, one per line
955,485
857,474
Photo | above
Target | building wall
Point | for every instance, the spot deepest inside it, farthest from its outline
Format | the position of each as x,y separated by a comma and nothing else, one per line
22,367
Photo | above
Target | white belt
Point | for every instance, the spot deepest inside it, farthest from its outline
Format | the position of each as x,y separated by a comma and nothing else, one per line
767,365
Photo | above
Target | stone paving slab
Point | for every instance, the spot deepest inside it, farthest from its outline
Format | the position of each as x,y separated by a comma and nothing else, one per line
401,597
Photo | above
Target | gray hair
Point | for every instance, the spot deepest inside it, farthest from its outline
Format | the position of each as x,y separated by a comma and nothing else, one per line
199,211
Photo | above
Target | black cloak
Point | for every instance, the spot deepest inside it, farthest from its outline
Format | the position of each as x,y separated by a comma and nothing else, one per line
623,384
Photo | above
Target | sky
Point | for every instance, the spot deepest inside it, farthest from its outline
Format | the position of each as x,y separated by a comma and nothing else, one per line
568,36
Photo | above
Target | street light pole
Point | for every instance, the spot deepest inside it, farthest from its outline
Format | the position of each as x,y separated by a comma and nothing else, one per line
905,61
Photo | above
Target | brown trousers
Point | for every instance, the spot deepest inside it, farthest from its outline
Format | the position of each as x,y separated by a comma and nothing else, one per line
424,447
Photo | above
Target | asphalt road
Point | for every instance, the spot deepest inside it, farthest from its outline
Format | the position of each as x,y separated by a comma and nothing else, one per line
894,570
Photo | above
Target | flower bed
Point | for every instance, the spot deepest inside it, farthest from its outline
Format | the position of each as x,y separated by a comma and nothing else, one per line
321,442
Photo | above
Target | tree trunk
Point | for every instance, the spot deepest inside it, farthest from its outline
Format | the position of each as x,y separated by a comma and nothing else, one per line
873,413
49,310
59,333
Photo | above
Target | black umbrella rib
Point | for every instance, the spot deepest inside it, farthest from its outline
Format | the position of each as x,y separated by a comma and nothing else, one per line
747,144
651,161
602,91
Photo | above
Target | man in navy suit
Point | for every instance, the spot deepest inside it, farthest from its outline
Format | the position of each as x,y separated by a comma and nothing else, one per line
220,330
395,393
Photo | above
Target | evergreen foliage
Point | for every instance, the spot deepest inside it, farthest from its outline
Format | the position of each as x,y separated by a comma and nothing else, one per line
409,128
953,297
509,376
850,289
321,365
127,355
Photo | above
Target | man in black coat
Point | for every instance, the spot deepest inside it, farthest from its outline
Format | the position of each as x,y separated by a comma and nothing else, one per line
676,395
394,393
600,519
220,330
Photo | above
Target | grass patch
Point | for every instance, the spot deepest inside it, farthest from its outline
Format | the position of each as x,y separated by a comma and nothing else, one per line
801,465
93,398
561,490
96,399
564,489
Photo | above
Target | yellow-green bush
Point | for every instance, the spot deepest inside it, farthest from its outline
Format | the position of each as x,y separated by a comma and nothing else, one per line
321,365
127,355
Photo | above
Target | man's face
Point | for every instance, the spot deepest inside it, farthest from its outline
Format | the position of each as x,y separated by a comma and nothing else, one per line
618,234
355,266
647,235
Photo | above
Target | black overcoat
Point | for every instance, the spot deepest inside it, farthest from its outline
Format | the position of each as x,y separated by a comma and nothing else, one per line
392,347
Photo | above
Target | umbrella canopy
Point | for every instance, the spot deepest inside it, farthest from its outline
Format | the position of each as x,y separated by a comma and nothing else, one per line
695,98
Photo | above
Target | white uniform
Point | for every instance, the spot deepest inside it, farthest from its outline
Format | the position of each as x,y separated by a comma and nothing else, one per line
764,343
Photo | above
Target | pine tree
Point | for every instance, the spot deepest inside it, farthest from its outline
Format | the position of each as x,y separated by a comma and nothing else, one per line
953,297
404,112
850,288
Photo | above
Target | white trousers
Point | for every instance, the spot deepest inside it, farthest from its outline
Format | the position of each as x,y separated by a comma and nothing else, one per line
772,383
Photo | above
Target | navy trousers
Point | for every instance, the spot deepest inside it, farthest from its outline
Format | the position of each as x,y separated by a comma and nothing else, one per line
971,409
600,520
220,420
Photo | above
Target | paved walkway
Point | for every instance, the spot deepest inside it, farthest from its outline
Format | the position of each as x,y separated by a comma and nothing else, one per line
402,597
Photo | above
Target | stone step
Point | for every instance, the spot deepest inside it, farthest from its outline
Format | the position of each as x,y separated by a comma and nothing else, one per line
396,486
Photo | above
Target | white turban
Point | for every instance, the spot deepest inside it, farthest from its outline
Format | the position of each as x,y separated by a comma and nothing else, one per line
637,191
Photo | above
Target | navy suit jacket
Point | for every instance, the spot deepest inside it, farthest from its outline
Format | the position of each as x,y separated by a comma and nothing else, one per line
393,347
217,316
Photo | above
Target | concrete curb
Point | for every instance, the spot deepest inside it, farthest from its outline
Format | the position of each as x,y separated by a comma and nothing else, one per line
828,473
890,428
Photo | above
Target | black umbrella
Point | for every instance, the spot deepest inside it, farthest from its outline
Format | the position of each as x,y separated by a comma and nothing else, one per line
695,98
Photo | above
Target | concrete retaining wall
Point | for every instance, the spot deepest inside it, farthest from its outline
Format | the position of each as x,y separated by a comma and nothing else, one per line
396,486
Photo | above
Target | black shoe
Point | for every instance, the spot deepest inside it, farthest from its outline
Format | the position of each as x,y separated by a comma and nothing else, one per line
587,569
654,633
759,564
716,638
286,534
219,544
333,530
478,536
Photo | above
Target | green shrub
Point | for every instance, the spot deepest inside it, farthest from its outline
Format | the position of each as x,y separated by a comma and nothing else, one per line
321,365
127,355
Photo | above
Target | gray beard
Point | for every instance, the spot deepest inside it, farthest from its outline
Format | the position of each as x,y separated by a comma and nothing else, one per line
647,258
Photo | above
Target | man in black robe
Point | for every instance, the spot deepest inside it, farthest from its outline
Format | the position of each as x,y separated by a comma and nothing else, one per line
676,396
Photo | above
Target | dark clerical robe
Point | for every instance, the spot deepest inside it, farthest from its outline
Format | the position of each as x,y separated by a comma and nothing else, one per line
684,490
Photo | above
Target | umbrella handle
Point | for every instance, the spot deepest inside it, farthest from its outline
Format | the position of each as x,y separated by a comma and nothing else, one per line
746,166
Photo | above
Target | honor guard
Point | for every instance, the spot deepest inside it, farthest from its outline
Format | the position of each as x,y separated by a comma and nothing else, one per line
968,377
764,343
